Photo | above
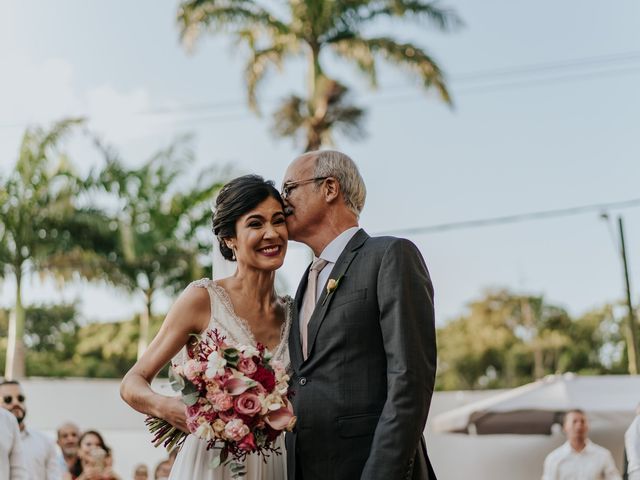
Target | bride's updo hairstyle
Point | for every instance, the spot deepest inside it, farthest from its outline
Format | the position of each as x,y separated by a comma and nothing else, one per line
237,198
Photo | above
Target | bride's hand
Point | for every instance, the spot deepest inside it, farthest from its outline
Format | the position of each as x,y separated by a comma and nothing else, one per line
174,411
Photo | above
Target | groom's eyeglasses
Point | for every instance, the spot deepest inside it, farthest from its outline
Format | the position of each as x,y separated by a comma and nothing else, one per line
9,398
289,187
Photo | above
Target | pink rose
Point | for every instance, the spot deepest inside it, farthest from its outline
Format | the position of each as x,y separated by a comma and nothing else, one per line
220,401
248,443
247,366
194,410
247,404
227,415
192,369
282,418
236,430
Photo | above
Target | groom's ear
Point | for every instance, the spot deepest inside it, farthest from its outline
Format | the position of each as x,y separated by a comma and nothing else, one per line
331,189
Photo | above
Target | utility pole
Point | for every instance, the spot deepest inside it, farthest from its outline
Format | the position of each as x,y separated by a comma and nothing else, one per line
632,344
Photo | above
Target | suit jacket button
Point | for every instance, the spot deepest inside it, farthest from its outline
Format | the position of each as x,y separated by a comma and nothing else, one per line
302,381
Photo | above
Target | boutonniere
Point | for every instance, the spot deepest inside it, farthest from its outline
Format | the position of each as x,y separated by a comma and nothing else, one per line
332,286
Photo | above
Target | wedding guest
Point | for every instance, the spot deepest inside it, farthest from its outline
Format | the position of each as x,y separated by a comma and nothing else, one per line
11,461
94,459
632,447
39,451
163,469
69,443
579,457
141,472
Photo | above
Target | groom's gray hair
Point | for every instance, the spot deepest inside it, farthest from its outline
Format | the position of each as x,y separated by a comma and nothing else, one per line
331,163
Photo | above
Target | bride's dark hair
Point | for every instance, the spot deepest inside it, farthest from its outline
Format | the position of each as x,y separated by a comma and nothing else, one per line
235,199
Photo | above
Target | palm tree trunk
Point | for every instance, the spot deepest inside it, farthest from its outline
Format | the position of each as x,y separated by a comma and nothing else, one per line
145,319
314,141
14,368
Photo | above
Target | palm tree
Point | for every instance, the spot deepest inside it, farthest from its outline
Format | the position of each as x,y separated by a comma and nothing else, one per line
159,224
37,203
309,28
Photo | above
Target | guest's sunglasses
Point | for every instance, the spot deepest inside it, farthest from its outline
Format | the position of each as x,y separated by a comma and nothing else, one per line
9,398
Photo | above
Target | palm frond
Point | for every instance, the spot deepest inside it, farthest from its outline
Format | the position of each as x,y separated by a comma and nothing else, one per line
260,62
359,52
359,12
294,118
412,58
196,16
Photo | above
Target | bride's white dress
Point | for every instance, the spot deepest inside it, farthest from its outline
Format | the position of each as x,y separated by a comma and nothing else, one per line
193,460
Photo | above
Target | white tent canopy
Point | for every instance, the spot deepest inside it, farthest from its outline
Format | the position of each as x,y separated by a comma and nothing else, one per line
536,407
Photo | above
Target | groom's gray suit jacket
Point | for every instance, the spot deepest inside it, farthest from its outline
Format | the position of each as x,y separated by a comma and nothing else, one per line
363,394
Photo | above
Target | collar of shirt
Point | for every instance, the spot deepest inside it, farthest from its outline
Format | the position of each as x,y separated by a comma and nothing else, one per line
568,449
332,251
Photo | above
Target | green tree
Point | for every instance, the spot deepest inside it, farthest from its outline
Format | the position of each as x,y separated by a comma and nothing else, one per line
160,223
37,200
505,340
308,29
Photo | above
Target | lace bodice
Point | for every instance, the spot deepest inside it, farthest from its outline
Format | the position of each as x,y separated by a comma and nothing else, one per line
234,328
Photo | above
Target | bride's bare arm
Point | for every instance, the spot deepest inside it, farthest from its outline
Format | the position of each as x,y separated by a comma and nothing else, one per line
189,314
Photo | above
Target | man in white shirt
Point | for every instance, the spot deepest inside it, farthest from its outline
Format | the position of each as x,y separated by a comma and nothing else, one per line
579,458
632,447
11,461
69,443
39,452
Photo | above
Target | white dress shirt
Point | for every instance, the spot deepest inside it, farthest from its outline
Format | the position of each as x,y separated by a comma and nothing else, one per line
40,455
11,461
331,253
592,463
632,445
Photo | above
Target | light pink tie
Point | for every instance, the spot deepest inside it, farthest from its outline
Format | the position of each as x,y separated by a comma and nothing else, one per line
309,301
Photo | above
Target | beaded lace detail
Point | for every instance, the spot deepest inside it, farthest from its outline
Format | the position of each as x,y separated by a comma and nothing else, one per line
234,327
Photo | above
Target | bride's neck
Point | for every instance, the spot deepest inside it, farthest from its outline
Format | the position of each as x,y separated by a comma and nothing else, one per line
253,286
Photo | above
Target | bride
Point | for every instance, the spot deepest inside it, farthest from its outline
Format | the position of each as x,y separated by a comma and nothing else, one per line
249,223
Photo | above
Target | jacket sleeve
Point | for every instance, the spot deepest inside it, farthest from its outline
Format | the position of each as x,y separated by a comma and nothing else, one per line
405,297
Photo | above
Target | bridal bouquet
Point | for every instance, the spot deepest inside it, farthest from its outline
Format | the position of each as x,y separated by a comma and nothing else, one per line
237,400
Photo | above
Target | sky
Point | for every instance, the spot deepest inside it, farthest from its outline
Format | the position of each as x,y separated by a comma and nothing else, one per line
545,117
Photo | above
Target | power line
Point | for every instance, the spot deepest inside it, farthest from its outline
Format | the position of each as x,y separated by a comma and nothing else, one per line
537,68
478,82
522,217
398,96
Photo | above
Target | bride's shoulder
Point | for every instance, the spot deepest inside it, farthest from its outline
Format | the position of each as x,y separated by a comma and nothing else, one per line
191,310
202,283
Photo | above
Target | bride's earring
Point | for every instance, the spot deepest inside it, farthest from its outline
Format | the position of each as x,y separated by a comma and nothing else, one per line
232,247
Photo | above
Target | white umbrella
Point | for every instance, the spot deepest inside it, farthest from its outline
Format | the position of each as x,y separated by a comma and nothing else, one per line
536,407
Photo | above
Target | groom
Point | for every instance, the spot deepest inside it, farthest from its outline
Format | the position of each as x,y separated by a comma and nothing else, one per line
362,343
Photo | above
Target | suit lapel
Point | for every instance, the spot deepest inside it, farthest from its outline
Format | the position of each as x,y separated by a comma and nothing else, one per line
295,345
339,270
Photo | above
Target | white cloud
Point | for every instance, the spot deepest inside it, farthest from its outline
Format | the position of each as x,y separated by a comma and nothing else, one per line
38,93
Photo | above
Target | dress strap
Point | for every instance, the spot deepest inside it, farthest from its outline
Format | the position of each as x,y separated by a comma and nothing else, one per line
213,303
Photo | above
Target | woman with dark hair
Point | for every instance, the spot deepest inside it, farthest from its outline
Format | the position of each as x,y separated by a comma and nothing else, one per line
249,223
94,459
